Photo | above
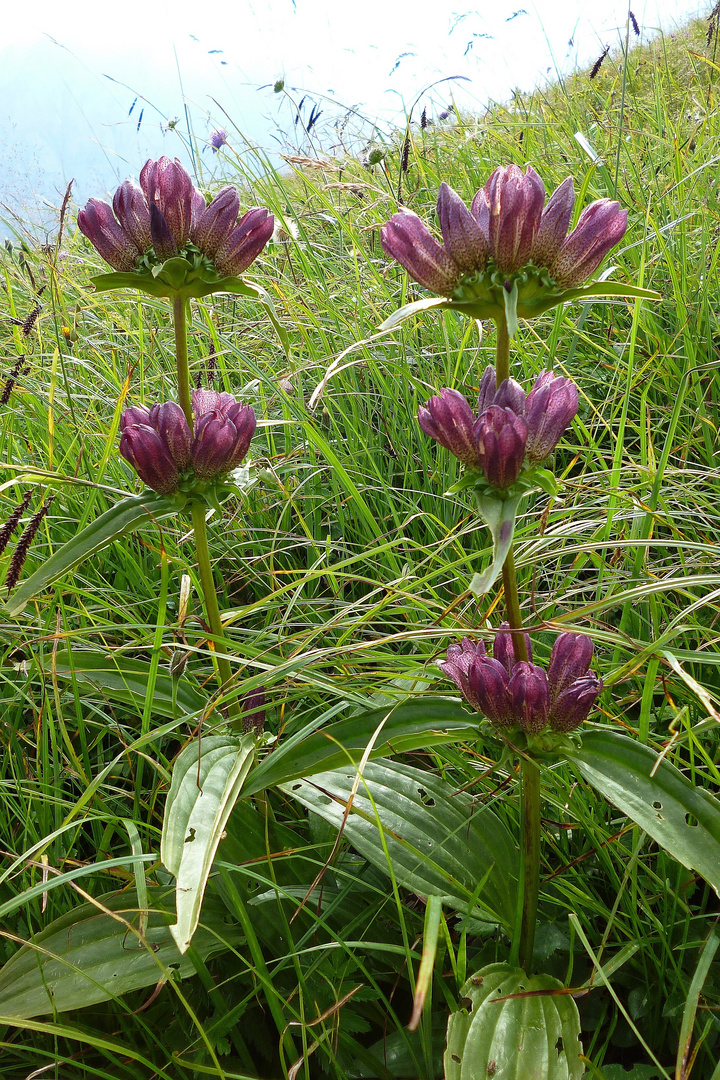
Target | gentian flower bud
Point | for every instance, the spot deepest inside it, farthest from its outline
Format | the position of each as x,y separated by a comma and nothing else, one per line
244,243
570,659
549,408
554,224
253,711
109,239
488,691
503,649
510,395
528,689
169,421
223,431
501,437
243,417
573,706
216,221
407,239
459,661
167,185
515,204
204,401
449,420
136,414
600,227
488,389
464,240
163,241
145,450
132,212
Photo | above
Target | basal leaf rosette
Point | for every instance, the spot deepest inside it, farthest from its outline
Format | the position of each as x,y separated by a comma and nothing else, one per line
510,255
162,239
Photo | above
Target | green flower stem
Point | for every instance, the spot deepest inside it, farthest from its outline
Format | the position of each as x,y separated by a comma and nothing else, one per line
530,860
212,610
530,773
502,351
181,357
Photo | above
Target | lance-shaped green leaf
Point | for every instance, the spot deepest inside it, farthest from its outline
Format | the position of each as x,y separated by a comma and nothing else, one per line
407,727
88,956
206,781
681,817
436,841
511,1027
123,518
122,678
499,516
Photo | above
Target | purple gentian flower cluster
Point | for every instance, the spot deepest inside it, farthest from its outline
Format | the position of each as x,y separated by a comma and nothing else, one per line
166,211
509,428
509,225
159,445
518,693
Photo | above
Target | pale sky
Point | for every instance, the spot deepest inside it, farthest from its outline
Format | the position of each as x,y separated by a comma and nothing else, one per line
69,72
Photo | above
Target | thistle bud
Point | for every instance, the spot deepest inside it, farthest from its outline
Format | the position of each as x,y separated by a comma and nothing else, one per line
550,406
600,227
449,420
407,239
501,437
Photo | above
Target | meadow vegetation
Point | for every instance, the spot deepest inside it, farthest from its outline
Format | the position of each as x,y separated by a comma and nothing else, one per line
344,570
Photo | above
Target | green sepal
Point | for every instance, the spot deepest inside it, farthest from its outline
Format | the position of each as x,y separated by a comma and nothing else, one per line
499,515
542,478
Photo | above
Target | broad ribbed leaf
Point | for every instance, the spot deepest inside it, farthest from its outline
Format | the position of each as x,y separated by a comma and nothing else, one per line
682,818
439,842
499,516
206,781
86,957
414,725
530,1035
126,516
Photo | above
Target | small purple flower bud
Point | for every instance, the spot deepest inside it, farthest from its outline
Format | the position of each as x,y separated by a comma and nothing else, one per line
109,239
600,227
408,240
163,240
481,212
463,237
488,389
449,420
167,184
554,224
253,711
501,438
488,690
550,406
145,450
135,414
244,243
570,660
515,205
131,210
573,705
528,691
243,417
197,207
212,447
459,661
503,649
510,395
216,221
205,401
169,421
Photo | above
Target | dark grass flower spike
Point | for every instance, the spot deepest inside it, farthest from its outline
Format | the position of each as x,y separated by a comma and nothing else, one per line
22,547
